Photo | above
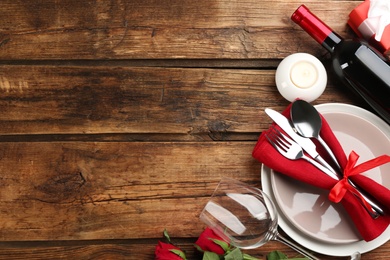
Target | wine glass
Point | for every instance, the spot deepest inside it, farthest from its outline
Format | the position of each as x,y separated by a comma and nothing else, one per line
244,216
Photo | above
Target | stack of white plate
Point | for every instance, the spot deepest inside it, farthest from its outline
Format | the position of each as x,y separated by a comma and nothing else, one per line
305,213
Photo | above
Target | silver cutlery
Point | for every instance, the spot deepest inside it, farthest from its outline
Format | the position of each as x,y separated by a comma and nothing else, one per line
293,151
307,145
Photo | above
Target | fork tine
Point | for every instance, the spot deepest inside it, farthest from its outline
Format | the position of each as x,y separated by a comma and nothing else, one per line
271,140
280,139
276,142
280,142
285,137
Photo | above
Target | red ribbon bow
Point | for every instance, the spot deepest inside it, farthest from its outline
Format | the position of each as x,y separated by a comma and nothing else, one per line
342,186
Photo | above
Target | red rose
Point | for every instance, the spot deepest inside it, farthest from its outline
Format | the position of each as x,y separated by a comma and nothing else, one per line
164,251
206,243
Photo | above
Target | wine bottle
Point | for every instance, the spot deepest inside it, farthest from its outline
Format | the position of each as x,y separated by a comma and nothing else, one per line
357,64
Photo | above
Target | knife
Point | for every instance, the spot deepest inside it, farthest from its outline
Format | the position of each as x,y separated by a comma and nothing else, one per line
306,144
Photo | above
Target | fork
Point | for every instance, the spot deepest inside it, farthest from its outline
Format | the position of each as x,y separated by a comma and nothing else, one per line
293,151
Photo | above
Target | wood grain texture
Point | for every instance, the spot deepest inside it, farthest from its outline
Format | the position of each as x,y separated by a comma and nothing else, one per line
62,191
134,249
156,29
118,118
96,100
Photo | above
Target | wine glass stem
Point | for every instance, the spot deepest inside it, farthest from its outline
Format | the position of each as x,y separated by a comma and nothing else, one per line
294,246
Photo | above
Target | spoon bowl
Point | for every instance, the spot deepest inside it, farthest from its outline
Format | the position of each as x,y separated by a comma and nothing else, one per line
306,119
308,122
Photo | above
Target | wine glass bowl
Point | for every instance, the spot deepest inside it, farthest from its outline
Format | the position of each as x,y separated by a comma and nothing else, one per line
244,216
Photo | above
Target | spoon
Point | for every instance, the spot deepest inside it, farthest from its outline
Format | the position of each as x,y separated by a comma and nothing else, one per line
308,123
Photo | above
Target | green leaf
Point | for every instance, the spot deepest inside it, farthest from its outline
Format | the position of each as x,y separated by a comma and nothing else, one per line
210,256
199,248
178,252
248,257
235,254
166,235
276,255
223,244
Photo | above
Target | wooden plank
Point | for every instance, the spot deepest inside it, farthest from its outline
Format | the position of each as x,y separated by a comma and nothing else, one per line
78,250
111,100
86,191
128,249
136,249
155,29
123,249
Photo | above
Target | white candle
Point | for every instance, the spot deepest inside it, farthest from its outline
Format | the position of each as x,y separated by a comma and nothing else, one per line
302,76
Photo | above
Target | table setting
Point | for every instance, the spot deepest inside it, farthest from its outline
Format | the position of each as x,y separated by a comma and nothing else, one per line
337,234
326,181
300,201
214,129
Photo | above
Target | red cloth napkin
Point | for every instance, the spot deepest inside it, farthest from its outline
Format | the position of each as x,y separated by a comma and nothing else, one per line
368,227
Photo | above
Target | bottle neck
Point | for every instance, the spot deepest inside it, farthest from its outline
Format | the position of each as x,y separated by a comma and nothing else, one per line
317,29
331,41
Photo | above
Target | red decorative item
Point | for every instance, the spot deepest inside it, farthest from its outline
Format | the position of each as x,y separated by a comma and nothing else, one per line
338,191
164,252
206,243
361,25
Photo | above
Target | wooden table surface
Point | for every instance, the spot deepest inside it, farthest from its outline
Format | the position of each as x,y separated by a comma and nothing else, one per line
118,118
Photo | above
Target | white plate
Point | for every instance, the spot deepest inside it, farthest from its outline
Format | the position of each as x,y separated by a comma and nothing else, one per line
327,230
